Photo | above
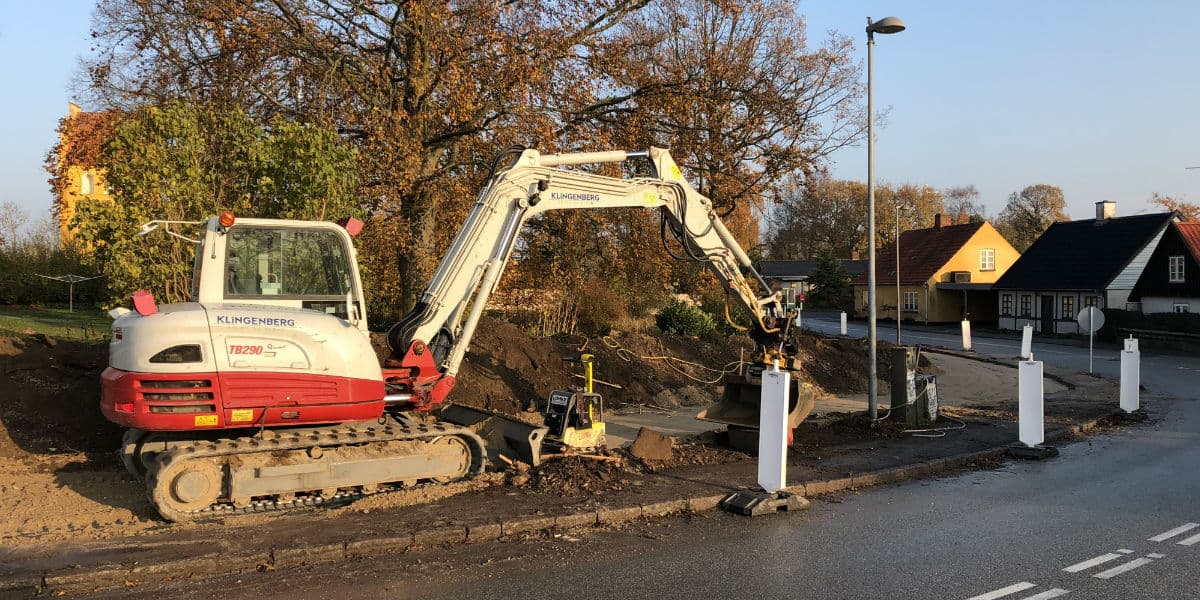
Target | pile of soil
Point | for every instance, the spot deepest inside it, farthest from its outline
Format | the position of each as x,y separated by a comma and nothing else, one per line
51,402
576,476
508,370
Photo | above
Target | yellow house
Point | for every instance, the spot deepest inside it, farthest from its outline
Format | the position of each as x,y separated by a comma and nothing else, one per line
946,274
79,178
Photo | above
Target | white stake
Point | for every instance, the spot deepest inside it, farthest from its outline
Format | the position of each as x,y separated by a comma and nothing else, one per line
1131,376
1027,342
966,334
1030,406
772,430
843,322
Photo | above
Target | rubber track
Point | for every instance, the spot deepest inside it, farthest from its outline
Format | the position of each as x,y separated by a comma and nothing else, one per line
303,439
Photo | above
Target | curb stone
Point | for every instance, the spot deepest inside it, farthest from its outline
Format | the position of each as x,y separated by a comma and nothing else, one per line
108,576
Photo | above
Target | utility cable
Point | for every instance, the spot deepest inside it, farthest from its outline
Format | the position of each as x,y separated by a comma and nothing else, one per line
672,362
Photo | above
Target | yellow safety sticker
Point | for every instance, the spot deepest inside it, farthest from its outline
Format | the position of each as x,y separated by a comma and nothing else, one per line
241,414
675,171
206,420
650,198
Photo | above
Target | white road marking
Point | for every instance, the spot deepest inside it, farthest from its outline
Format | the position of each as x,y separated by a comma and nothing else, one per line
1189,541
1166,535
1091,562
1124,551
1000,593
1125,568
1048,594
1157,555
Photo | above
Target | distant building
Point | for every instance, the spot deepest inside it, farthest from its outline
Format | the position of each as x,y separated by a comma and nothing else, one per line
1090,262
1170,283
81,182
946,274
791,276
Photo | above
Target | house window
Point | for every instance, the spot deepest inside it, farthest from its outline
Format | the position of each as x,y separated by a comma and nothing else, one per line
1026,305
1068,307
910,301
1006,304
1182,307
987,259
87,185
1091,301
1175,269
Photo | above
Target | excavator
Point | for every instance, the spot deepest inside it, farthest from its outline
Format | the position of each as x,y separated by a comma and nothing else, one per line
264,392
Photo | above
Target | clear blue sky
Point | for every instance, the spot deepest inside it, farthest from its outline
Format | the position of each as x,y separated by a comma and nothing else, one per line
1099,98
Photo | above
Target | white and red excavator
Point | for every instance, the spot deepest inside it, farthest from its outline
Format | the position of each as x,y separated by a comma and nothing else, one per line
265,393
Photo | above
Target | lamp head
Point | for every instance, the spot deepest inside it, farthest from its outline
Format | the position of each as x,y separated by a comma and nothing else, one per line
886,25
147,228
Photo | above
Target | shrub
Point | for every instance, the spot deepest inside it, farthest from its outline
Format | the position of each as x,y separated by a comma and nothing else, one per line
684,319
599,309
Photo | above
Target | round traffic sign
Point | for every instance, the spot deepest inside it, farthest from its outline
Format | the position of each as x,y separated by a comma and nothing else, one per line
1090,319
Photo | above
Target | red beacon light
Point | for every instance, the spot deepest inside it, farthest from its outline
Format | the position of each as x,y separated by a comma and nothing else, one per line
226,219
351,225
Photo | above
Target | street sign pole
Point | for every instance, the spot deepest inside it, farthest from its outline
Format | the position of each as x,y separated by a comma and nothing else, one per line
1090,319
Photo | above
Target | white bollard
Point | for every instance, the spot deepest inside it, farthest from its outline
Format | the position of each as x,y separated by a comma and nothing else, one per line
772,430
1131,376
843,323
966,334
1030,407
1027,342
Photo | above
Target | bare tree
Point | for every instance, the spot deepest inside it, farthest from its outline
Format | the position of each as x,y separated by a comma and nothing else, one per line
963,205
1030,212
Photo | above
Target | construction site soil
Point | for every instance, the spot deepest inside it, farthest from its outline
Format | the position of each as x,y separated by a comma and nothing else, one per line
61,482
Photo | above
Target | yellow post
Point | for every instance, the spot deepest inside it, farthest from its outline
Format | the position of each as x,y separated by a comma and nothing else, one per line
586,359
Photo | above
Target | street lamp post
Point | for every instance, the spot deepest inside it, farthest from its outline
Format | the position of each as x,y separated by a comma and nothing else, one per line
885,25
898,305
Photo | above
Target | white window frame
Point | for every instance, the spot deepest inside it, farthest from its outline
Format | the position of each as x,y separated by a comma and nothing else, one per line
987,259
1006,305
1175,273
1091,301
910,305
87,184
1026,309
1181,308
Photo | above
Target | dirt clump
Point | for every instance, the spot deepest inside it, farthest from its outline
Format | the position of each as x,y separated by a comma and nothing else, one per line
652,445
576,476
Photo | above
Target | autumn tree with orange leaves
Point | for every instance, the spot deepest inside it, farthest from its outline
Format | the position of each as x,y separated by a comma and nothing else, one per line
430,92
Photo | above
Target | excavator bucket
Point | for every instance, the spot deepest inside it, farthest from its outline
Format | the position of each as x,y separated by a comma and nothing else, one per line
505,436
739,404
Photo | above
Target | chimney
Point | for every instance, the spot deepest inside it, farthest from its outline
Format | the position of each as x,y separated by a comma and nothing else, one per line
937,221
1105,210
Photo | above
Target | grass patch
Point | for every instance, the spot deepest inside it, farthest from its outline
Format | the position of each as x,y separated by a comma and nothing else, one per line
86,324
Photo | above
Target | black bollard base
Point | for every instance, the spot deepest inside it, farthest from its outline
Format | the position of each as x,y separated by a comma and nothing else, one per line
1039,452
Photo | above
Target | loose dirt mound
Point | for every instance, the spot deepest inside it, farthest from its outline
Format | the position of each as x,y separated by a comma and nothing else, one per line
510,371
575,476
51,401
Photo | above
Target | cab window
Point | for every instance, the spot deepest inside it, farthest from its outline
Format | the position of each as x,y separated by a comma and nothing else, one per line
285,263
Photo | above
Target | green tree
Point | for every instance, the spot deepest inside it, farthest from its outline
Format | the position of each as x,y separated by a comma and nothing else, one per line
831,285
185,162
1029,213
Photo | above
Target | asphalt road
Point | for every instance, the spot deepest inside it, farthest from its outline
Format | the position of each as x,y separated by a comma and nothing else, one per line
1115,516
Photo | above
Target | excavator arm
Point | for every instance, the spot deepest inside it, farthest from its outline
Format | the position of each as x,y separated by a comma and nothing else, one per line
433,337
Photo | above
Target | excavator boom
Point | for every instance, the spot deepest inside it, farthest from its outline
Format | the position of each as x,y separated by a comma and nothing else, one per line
444,320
